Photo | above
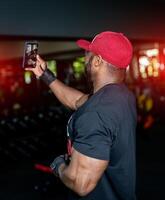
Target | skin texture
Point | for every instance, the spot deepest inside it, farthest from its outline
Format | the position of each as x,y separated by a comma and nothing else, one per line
83,173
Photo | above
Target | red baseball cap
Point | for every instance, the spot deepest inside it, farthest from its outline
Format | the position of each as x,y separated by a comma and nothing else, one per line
115,48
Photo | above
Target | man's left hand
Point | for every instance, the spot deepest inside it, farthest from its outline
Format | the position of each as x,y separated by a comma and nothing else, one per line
56,164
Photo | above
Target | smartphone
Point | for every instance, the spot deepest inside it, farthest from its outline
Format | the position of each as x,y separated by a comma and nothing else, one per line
30,53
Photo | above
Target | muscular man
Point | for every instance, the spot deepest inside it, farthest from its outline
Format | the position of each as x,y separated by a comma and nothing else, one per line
101,131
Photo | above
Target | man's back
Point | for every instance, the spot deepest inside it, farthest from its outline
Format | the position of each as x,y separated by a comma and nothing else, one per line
104,128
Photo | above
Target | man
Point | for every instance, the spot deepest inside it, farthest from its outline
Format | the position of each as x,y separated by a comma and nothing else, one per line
101,131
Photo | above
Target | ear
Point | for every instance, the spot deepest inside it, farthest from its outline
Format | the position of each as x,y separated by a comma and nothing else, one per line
97,60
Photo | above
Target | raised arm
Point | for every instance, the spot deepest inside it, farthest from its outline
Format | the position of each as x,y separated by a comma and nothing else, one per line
68,96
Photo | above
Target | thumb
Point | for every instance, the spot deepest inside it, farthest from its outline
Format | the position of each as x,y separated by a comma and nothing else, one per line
29,69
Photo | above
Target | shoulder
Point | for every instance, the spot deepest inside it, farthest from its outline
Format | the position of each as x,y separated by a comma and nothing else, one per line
116,94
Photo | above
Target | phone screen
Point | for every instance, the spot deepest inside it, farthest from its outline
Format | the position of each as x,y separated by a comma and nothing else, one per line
30,53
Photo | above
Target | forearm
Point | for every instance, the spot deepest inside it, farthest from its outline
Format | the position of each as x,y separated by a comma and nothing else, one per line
68,96
65,94
66,178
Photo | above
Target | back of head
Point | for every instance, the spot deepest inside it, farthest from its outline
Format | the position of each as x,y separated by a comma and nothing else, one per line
115,48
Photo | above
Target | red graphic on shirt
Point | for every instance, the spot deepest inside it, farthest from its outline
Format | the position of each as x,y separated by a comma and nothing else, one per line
69,147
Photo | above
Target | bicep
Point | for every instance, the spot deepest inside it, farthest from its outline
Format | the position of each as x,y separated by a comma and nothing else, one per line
87,170
90,153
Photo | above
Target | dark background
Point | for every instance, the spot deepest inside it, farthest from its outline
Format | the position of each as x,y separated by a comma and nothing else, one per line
53,18
33,122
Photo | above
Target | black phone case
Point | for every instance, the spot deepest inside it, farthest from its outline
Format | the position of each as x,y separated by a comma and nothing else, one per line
30,53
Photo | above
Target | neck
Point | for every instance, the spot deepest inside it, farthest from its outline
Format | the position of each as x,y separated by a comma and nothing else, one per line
99,85
104,77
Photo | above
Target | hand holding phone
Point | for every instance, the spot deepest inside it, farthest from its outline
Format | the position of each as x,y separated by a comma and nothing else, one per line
30,53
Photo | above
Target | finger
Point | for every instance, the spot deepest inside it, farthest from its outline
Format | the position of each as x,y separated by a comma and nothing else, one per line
29,69
42,69
40,59
41,63
39,66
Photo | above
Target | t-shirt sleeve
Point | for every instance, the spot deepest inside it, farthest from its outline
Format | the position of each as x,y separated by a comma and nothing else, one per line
92,138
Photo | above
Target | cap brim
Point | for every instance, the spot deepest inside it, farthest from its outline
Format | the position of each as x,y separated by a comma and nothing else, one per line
84,44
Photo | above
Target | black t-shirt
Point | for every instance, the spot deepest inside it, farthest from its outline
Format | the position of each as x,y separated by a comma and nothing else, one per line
104,128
